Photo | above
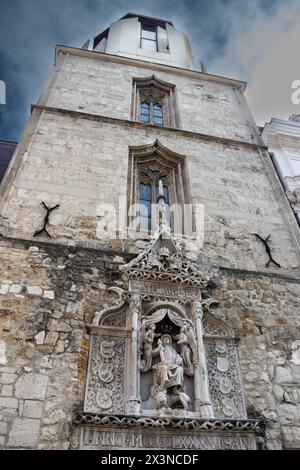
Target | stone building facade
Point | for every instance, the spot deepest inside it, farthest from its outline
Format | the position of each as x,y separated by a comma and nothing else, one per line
113,336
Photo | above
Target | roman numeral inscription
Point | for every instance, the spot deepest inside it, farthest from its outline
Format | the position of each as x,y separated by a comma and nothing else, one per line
130,439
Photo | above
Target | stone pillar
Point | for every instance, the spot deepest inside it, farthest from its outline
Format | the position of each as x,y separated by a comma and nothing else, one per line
203,403
133,402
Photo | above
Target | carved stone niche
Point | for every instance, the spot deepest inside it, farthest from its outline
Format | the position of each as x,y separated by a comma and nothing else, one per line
105,389
159,355
168,352
223,369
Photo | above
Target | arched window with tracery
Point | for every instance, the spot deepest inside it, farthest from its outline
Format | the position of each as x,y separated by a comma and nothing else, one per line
154,102
147,166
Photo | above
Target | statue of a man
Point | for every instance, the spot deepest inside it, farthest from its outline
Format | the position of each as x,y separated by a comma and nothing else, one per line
169,369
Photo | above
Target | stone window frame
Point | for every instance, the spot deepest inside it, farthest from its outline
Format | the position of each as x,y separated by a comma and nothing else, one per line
173,167
153,89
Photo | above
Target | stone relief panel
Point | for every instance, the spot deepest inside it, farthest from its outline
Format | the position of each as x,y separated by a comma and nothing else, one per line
211,327
105,387
117,319
224,379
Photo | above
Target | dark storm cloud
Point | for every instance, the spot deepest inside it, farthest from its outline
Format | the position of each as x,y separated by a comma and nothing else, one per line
30,29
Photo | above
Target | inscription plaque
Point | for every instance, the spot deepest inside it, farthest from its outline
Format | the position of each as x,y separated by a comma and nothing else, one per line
165,290
117,439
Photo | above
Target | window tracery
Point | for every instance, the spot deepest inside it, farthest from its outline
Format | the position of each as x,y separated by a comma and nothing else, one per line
154,102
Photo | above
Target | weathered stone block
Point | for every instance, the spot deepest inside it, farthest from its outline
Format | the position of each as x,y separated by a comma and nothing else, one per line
71,307
8,402
32,409
34,290
4,288
7,390
32,386
55,325
282,375
51,338
289,413
291,437
24,433
7,378
3,427
15,289
49,294
39,338
3,359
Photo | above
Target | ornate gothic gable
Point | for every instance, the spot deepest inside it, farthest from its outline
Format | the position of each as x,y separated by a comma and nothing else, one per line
164,261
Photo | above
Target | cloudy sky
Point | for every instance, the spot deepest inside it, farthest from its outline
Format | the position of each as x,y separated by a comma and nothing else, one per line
252,40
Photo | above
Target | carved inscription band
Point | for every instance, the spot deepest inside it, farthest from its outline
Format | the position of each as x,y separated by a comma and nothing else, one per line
165,290
141,439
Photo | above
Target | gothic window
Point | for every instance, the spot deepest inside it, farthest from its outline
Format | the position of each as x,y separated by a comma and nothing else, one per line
154,102
148,37
145,112
147,166
151,112
148,193
145,200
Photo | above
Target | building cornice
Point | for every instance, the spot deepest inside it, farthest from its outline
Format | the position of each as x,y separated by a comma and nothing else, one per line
282,128
150,65
139,125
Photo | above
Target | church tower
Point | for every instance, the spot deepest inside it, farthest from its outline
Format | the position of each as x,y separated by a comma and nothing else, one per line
149,259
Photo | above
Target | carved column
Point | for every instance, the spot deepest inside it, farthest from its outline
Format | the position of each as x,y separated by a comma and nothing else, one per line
202,397
133,402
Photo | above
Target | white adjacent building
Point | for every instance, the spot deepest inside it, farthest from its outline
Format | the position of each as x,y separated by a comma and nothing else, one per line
282,136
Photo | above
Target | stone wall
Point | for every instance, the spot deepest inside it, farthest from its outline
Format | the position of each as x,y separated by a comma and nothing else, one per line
264,311
82,163
103,86
48,296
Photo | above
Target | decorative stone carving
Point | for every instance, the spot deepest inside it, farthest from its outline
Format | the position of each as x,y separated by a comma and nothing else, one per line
105,390
153,291
163,261
155,266
167,422
116,319
147,340
224,379
187,342
214,327
169,375
106,315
